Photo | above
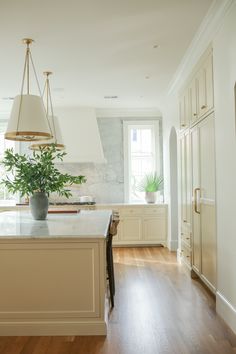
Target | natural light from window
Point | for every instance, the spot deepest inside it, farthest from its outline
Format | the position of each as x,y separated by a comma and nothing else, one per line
6,198
141,155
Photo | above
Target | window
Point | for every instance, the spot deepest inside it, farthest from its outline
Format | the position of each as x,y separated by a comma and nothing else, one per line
5,197
141,155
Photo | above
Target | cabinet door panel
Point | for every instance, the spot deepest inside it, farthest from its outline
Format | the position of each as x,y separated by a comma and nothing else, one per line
193,101
209,83
131,229
196,242
201,79
183,180
208,242
207,200
154,229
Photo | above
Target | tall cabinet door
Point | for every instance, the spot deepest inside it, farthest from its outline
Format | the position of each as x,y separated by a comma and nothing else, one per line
196,239
207,199
203,197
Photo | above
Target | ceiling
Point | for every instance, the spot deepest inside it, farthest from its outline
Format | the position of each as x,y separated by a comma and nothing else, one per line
98,48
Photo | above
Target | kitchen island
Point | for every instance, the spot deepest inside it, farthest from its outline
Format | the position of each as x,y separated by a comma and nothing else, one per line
53,273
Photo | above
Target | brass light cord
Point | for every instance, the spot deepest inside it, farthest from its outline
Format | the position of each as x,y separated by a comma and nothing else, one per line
51,106
35,74
26,65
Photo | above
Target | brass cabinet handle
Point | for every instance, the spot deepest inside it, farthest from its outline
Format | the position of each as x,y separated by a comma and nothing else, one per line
195,114
203,106
184,220
187,238
195,200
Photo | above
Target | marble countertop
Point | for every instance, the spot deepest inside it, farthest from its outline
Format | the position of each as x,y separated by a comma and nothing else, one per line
86,224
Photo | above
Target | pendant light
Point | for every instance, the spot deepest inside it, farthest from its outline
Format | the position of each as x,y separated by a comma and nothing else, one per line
28,120
54,125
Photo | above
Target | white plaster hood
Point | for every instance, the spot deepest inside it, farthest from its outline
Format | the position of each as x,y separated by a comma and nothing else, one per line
80,133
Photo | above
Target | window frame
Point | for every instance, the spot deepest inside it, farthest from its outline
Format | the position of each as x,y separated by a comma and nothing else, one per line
127,125
9,202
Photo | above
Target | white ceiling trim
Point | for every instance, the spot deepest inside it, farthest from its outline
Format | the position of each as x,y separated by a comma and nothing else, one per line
205,34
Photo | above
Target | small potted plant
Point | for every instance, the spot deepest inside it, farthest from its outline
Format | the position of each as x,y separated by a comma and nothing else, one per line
36,177
151,184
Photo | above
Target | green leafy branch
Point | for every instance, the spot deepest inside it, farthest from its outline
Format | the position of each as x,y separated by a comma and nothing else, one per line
37,173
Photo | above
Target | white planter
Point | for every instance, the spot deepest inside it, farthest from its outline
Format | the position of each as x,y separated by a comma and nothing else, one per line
152,197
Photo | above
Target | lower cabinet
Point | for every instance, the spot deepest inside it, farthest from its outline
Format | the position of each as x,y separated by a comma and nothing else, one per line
140,224
130,229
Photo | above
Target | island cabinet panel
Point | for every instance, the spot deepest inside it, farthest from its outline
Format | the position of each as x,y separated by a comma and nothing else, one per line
52,288
50,271
53,274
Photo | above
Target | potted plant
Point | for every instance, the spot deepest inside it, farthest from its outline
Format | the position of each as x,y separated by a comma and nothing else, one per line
36,177
151,185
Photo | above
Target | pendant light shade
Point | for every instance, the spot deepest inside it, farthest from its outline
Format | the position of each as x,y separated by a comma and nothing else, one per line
56,139
28,120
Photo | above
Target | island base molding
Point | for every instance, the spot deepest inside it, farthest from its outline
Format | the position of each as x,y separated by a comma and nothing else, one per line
23,328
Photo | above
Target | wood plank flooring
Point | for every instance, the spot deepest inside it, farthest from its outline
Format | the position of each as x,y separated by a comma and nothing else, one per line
158,310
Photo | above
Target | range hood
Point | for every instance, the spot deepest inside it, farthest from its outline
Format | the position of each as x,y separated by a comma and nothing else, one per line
80,134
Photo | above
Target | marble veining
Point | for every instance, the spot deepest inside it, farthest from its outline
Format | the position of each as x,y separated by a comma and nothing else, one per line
86,224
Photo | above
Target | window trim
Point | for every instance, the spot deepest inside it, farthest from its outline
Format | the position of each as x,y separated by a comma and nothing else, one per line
126,127
7,202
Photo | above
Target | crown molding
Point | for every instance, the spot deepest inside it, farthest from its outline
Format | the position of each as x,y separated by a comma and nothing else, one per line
202,39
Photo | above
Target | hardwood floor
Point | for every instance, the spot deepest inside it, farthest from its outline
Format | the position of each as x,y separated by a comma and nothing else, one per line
158,310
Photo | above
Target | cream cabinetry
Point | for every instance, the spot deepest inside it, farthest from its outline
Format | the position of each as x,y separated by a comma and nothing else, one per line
197,98
184,109
197,175
204,235
186,226
140,224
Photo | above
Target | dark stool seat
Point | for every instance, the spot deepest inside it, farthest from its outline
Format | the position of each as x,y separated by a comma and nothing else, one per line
109,253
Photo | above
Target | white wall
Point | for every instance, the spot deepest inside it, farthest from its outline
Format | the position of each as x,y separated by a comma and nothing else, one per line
224,58
221,31
170,119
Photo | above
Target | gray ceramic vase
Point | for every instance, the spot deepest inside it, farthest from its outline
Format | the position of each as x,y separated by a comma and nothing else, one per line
39,205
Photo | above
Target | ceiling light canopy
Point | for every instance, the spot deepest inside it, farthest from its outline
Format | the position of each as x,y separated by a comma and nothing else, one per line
54,124
28,120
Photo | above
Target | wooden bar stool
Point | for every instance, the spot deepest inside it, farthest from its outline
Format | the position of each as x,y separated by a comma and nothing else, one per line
110,265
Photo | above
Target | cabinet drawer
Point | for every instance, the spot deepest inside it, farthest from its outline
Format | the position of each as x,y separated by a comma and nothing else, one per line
131,211
186,237
154,211
186,254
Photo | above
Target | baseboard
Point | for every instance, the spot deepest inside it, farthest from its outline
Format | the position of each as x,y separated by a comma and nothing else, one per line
226,310
44,328
178,255
173,245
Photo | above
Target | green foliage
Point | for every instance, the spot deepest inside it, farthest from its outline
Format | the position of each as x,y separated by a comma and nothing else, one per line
37,173
151,183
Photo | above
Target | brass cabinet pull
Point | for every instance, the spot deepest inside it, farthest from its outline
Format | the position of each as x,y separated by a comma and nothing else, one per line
203,106
195,200
195,114
184,220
